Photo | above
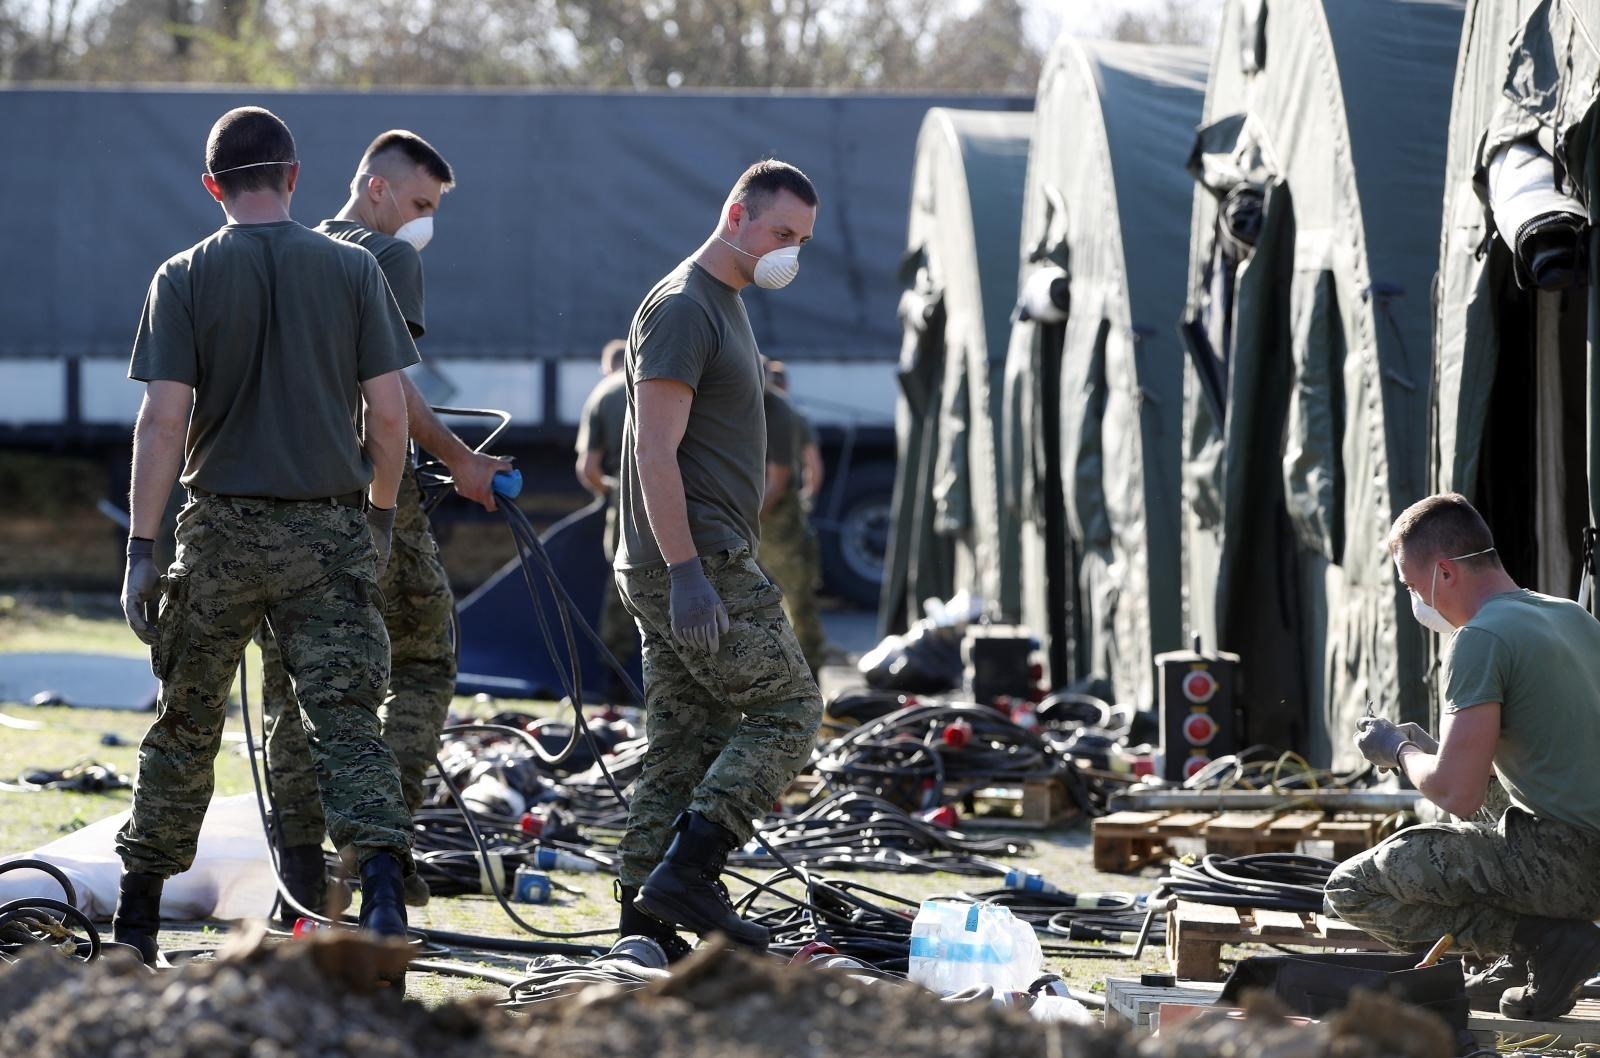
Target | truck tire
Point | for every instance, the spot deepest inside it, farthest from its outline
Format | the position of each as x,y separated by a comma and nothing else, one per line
854,530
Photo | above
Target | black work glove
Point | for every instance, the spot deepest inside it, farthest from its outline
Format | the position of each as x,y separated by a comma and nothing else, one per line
380,520
139,596
698,616
1379,740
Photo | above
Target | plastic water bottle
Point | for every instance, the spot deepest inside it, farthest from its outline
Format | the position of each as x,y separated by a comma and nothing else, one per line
562,860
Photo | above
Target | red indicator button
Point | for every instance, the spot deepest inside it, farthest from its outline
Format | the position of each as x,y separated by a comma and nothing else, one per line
1199,686
1199,729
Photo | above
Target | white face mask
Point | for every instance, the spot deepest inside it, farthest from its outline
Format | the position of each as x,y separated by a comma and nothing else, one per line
416,232
774,270
1426,615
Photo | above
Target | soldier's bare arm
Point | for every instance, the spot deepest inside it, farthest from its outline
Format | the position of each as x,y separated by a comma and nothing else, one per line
473,471
385,440
778,475
812,477
591,473
158,437
1457,778
662,410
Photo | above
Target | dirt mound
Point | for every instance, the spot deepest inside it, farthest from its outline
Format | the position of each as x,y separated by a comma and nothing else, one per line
302,999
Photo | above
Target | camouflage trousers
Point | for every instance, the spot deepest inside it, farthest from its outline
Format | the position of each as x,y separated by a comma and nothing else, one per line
307,568
1470,880
790,556
727,732
422,680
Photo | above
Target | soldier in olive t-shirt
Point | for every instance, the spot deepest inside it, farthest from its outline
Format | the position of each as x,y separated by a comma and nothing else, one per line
731,709
258,347
692,328
600,440
1521,677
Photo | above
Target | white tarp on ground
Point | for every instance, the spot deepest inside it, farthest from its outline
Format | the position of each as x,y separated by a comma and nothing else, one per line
231,877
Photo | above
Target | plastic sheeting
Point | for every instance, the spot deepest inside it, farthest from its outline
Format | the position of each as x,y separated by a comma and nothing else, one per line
966,208
569,206
1308,380
1093,409
231,877
1527,79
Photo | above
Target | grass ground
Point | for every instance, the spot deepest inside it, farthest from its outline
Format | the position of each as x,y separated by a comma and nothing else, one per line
64,735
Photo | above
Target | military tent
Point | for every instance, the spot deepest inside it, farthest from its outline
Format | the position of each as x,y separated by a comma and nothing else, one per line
960,278
1094,374
1320,165
1518,386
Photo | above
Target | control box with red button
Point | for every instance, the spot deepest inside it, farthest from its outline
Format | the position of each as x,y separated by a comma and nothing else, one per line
1197,696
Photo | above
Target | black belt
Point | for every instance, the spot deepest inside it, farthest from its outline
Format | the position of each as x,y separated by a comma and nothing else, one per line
357,499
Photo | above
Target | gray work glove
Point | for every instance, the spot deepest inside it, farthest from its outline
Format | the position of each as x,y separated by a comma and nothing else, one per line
698,616
1379,740
139,582
1425,742
380,520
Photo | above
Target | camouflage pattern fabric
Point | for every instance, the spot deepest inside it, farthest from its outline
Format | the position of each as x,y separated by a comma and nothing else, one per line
790,555
422,679
308,568
727,732
1469,880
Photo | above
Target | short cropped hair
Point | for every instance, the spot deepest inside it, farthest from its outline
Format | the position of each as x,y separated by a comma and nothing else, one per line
760,183
611,356
246,136
1445,525
415,149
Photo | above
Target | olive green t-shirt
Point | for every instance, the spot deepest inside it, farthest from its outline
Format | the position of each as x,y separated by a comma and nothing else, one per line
400,261
600,427
276,327
1539,657
692,328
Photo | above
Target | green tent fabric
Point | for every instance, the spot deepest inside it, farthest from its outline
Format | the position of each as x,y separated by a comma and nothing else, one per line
959,273
1094,400
1529,72
1319,168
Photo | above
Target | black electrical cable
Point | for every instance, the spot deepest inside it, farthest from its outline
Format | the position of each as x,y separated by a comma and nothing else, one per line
1279,881
41,921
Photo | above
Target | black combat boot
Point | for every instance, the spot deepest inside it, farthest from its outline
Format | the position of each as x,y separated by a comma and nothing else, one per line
383,904
138,917
635,923
1562,955
686,888
1485,987
305,875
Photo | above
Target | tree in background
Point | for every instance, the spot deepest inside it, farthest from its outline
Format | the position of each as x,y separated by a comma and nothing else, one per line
639,44
1167,22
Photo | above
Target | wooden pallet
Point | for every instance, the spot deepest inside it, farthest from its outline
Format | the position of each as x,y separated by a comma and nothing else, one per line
1030,806
1197,932
1129,841
1129,1002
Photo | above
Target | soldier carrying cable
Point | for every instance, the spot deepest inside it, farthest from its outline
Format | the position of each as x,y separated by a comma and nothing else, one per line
394,195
